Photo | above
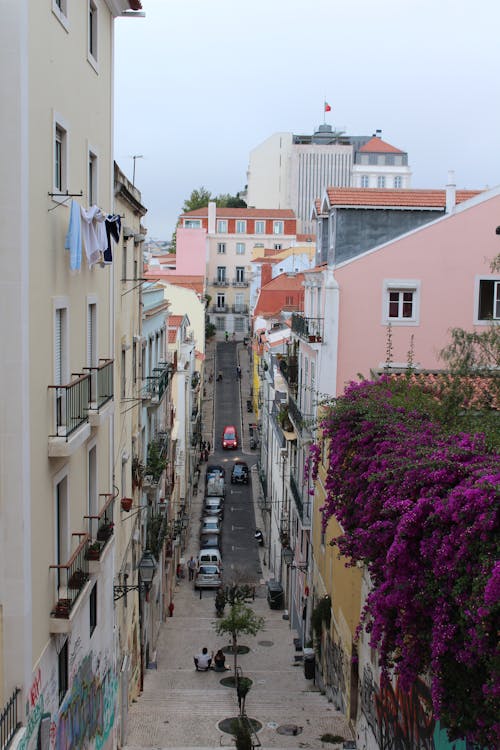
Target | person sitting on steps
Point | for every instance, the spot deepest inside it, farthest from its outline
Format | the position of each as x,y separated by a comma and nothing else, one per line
203,661
220,661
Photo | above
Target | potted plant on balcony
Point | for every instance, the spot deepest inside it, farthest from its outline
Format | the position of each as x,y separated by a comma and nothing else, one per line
62,609
77,579
126,503
105,531
284,419
93,551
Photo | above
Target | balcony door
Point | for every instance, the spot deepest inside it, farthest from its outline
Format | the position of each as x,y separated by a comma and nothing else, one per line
62,525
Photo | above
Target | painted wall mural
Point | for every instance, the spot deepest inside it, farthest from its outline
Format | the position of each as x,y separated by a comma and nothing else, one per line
402,721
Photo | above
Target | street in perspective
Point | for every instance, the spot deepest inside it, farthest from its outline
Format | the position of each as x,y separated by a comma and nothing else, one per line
181,706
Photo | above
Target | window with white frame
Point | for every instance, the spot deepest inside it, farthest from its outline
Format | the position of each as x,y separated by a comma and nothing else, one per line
239,324
260,227
93,18
92,494
192,223
389,159
240,248
239,302
365,180
401,302
221,274
221,301
60,157
60,10
92,178
240,274
222,226
220,324
277,227
62,525
488,299
221,248
381,181
241,226
92,355
398,181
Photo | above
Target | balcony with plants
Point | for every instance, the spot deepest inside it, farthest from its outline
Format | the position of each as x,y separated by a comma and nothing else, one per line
156,461
156,384
71,578
100,530
309,329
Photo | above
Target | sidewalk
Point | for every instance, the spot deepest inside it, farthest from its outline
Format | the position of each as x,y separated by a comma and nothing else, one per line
181,708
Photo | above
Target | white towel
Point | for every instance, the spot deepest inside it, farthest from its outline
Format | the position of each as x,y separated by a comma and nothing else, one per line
94,234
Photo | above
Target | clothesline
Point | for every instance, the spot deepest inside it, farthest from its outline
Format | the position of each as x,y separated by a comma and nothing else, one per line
95,230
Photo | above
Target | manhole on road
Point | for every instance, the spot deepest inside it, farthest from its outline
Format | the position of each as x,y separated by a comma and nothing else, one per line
226,724
290,729
265,643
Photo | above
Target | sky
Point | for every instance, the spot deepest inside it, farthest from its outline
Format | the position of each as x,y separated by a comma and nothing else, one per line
200,83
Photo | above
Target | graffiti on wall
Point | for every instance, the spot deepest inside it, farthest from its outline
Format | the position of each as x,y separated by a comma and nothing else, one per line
336,672
402,720
88,712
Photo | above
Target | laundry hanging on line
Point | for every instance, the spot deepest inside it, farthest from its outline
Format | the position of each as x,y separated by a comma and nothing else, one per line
96,230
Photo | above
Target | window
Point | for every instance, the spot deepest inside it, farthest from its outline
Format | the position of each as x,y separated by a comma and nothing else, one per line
240,248
381,181
401,302
221,248
241,226
239,303
398,182
221,274
278,246
389,159
192,223
92,179
123,381
62,526
488,307
93,31
60,158
222,226
240,274
277,227
91,334
239,324
260,227
364,181
60,10
124,262
63,671
93,609
372,159
92,482
221,301
220,324
289,300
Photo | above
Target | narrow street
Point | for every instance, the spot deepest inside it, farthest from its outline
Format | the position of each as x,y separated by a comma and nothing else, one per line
182,708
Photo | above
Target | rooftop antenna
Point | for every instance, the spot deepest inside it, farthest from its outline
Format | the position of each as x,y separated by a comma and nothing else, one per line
136,156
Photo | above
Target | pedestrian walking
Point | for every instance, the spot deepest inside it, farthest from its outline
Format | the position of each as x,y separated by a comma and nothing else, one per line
226,334
191,568
171,609
208,446
238,372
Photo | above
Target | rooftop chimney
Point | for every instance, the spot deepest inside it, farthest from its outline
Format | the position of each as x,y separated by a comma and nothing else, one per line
451,190
378,133
266,274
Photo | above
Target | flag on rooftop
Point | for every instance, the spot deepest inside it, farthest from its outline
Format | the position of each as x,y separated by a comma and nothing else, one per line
327,107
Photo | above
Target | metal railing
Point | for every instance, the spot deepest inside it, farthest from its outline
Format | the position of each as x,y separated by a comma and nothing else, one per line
240,309
101,526
303,508
310,329
156,384
240,282
9,723
101,383
295,413
71,405
219,308
71,578
220,282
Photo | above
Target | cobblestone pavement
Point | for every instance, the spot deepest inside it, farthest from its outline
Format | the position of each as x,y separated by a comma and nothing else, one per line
182,708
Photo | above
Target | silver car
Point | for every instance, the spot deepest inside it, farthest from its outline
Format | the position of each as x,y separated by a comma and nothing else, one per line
210,525
208,577
214,506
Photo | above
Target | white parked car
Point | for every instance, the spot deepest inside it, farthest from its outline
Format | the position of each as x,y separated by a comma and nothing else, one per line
208,577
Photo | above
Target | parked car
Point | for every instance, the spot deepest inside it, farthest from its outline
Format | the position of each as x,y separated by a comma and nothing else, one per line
208,577
216,486
230,437
210,525
214,506
210,556
214,470
211,541
240,473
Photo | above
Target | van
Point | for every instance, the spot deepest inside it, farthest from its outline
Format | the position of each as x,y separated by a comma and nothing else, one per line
216,487
210,557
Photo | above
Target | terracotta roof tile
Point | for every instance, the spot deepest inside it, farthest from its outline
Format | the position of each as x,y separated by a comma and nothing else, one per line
381,197
378,146
174,321
172,335
245,213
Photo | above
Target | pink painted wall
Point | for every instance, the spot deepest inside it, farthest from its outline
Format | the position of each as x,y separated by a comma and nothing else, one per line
191,252
447,258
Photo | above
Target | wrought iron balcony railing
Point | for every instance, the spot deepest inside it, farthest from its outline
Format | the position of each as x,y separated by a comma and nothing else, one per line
156,384
219,308
309,329
9,723
303,506
240,309
71,578
71,405
240,282
295,413
220,282
101,383
101,526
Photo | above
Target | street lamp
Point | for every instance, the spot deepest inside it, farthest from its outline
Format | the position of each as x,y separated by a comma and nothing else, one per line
287,553
147,570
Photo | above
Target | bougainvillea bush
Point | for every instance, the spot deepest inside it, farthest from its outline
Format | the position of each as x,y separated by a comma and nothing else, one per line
420,508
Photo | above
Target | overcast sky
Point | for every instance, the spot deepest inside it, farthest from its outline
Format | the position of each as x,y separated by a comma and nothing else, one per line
199,83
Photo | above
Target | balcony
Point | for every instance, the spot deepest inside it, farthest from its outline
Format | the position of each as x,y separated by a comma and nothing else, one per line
288,367
219,309
9,723
295,413
309,329
71,579
156,384
101,530
303,508
240,309
220,282
240,282
70,409
101,390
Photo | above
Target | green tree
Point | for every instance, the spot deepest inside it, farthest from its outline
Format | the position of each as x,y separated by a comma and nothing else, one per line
198,199
226,200
241,619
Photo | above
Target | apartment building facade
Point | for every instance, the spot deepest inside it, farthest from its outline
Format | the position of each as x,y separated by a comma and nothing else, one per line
231,236
58,494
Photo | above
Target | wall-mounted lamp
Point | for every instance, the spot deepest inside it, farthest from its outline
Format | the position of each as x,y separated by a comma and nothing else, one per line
287,553
147,570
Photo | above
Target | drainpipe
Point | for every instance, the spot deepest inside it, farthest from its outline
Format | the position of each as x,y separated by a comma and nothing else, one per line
451,191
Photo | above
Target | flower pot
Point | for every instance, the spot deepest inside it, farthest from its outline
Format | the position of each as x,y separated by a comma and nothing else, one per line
126,503
93,553
104,533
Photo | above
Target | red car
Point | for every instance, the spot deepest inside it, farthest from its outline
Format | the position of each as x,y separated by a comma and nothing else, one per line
229,437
